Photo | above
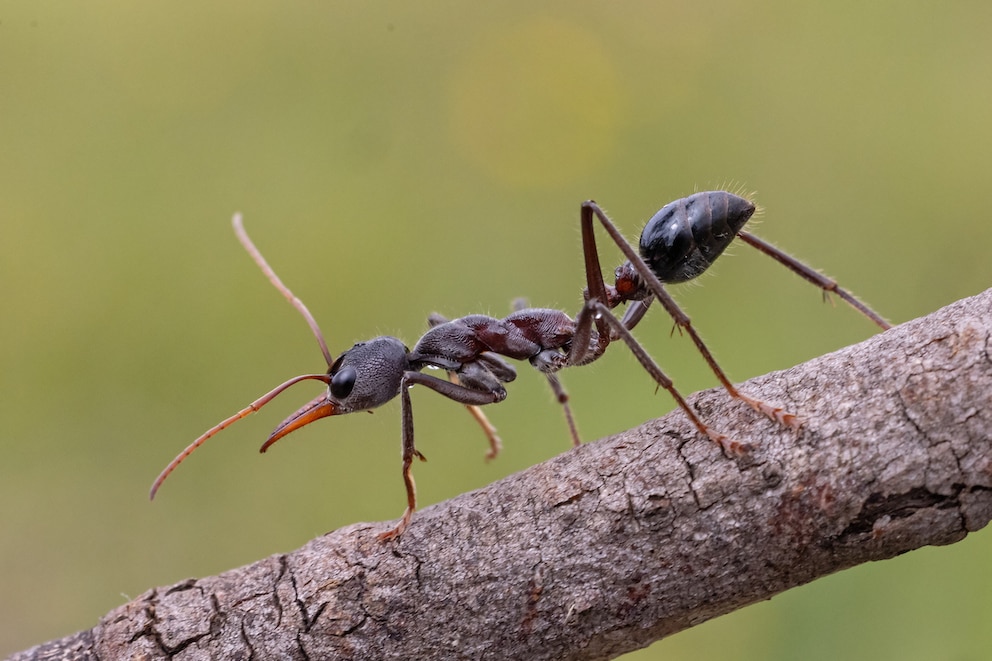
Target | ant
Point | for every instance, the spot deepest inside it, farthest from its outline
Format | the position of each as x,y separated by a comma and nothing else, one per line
371,373
694,231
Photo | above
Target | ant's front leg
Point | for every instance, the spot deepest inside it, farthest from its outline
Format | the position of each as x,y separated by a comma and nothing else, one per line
409,452
453,391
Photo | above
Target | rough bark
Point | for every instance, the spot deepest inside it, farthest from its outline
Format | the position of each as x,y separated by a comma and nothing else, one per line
629,539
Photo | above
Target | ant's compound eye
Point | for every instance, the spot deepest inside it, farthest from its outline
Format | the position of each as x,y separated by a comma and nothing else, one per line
343,382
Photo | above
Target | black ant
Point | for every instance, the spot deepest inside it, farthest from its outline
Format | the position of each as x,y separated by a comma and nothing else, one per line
470,348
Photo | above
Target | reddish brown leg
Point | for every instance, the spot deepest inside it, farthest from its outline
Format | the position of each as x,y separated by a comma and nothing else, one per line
452,391
601,312
561,395
495,442
409,452
597,290
828,285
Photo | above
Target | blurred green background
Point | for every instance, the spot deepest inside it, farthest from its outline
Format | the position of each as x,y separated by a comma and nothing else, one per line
394,159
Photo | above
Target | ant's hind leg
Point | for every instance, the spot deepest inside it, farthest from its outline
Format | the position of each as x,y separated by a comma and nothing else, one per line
808,273
727,444
591,210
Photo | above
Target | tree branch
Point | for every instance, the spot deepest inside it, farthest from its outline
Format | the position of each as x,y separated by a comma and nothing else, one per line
622,542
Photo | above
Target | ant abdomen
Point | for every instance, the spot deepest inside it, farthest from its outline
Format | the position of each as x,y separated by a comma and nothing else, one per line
686,236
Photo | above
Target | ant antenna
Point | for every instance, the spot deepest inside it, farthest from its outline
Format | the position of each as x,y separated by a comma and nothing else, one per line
239,229
251,408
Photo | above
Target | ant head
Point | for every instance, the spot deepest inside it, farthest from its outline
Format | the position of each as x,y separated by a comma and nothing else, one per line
368,374
362,378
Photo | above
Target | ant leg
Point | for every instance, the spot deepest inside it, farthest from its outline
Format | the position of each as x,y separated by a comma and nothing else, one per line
495,442
561,395
682,321
727,444
453,391
595,285
409,452
812,275
635,312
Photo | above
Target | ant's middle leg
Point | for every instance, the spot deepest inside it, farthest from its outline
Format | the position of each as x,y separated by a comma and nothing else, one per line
594,278
561,395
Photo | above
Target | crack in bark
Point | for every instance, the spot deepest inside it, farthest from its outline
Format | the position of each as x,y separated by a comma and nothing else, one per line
276,601
301,647
247,641
879,506
305,617
158,624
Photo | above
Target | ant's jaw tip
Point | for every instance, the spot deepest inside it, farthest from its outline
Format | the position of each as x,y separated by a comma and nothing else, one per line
321,407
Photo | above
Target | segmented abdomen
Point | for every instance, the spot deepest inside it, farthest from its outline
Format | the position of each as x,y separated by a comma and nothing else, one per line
686,236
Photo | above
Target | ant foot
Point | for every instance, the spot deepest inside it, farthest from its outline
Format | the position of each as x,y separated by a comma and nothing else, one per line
776,413
390,535
729,446
495,445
